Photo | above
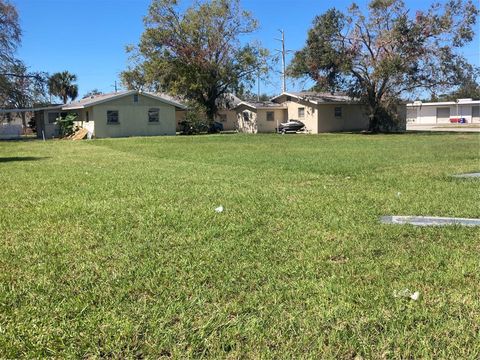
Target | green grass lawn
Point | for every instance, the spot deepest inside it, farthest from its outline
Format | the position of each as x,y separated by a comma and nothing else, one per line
112,248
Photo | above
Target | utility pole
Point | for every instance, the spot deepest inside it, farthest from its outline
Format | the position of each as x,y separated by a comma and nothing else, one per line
283,52
258,86
114,85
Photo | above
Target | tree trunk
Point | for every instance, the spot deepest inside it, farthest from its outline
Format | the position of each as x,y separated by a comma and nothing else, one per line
24,122
374,121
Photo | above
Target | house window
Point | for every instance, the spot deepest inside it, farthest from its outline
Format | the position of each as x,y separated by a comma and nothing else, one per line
270,116
87,118
52,117
301,113
112,116
223,117
246,116
338,112
153,115
135,98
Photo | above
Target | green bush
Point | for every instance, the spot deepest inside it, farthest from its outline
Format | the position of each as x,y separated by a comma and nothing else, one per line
66,124
195,121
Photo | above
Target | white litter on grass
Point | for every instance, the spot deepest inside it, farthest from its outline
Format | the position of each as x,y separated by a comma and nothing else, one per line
415,295
406,293
428,221
469,175
219,209
398,194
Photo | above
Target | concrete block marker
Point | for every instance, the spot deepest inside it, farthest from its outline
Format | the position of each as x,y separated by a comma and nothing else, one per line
428,221
469,175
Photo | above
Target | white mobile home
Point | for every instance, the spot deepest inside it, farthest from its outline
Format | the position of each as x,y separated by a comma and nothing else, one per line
446,112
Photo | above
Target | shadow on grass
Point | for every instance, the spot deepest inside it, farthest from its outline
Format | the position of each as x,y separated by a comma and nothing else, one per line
20,158
20,139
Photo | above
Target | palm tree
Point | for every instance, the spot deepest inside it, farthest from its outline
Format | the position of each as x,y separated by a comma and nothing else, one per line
61,84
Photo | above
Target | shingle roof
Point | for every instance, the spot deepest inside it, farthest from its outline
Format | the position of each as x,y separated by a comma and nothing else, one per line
97,99
318,97
262,105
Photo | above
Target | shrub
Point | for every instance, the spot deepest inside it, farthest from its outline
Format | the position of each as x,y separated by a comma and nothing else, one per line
65,124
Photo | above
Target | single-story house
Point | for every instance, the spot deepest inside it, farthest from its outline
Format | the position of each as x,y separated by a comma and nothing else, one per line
320,112
444,112
259,117
120,114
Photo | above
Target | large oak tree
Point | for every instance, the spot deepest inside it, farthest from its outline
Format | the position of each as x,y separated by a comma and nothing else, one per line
387,52
196,53
19,87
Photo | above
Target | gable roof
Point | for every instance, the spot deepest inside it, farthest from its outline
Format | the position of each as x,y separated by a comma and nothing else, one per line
102,98
261,105
228,101
317,97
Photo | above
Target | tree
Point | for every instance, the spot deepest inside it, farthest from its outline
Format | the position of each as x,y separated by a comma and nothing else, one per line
10,33
387,53
23,89
470,88
251,97
61,84
93,92
196,53
19,88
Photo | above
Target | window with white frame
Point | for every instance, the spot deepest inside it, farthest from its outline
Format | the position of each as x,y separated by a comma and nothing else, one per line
270,116
153,115
246,116
338,112
135,98
301,113
112,117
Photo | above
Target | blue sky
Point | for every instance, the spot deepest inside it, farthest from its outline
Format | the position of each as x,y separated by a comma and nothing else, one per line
88,37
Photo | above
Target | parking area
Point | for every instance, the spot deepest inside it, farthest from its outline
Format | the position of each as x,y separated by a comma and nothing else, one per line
444,127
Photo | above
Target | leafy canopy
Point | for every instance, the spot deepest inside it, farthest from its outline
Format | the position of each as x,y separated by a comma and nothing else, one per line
387,52
196,53
19,88
62,84
91,93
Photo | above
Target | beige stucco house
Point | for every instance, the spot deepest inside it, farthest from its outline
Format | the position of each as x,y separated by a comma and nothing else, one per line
259,117
121,114
319,112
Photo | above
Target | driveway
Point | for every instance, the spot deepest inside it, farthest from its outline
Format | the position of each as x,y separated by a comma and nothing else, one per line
444,127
